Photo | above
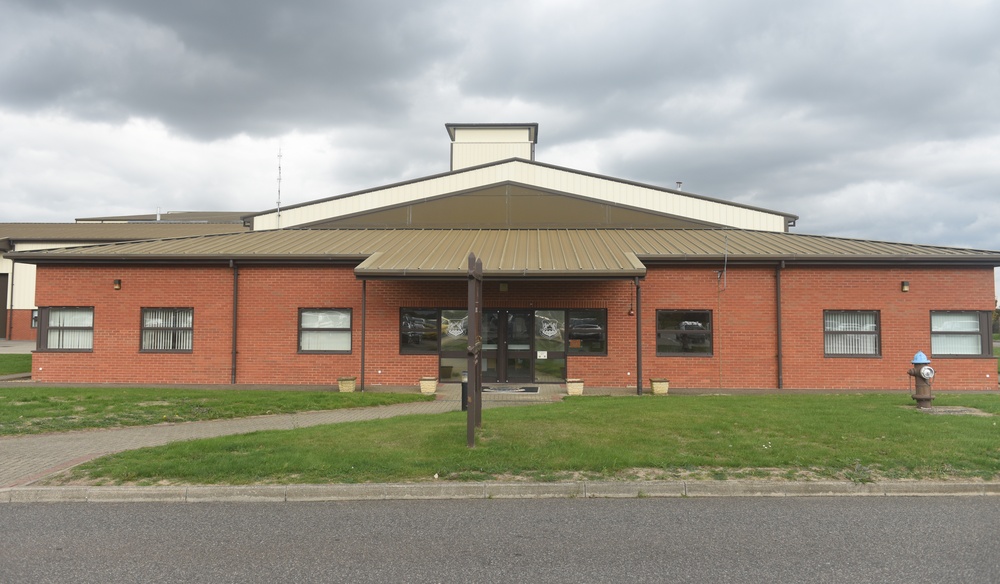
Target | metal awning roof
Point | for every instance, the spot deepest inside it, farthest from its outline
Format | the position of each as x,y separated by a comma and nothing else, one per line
511,253
506,253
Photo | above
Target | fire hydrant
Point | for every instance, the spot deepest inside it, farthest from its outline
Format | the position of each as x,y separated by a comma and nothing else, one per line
923,373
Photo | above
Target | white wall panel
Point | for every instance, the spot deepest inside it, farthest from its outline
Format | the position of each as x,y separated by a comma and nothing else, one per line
537,176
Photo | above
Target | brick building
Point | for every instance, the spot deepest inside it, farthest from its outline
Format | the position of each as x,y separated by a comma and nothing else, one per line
586,276
18,312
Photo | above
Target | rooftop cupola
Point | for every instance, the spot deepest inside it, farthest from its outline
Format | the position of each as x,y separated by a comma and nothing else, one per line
475,144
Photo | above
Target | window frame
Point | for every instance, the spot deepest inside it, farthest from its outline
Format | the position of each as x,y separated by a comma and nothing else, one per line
349,330
175,311
42,342
984,334
877,333
710,331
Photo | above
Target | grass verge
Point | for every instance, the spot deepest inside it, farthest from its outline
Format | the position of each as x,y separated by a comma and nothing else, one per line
861,437
33,410
15,363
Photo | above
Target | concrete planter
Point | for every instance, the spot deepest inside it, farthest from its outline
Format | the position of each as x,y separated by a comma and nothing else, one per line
574,386
660,386
428,385
346,384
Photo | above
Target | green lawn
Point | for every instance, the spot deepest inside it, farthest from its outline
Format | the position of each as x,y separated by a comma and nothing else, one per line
860,437
33,410
17,363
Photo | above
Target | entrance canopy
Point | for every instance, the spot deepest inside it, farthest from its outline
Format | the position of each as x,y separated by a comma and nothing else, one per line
511,254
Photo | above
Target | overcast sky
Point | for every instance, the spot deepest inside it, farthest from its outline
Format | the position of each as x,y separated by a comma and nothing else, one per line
871,119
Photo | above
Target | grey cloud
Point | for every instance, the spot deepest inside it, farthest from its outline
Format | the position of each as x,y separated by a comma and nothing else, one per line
212,69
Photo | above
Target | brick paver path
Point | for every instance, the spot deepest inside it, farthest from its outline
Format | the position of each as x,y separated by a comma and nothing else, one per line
24,459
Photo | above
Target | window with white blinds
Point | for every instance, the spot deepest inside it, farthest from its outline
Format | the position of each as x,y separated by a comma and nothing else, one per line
167,329
959,333
66,329
851,333
325,330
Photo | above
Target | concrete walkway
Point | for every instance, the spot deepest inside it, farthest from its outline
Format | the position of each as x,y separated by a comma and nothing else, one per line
25,459
29,458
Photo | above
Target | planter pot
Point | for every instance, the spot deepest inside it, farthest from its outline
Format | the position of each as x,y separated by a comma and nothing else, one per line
428,385
346,384
574,386
660,386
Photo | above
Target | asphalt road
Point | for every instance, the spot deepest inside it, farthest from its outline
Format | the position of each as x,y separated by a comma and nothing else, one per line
733,540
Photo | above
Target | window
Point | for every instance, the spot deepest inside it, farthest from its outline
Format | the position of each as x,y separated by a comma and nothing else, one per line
418,330
588,332
956,334
325,330
851,333
34,318
167,329
684,333
66,329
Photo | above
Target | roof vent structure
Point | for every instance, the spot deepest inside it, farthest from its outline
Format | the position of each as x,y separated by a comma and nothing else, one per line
475,144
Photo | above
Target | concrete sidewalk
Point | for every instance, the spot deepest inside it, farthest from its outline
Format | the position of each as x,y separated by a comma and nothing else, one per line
16,347
29,458
25,459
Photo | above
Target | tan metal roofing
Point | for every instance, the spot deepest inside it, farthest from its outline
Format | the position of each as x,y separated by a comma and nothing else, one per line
513,253
87,232
176,217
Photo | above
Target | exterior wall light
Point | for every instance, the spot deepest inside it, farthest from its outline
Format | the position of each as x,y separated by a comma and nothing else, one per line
118,284
905,286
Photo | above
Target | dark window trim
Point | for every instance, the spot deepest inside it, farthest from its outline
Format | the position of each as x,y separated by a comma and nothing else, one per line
41,343
877,333
143,328
349,330
710,331
985,334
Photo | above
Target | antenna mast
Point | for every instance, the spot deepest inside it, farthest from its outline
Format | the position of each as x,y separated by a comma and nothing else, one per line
279,186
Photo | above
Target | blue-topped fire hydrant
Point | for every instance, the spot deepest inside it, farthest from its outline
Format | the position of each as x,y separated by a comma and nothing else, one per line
923,373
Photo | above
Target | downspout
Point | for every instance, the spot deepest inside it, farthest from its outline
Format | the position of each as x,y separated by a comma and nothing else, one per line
236,303
10,302
777,310
364,328
638,337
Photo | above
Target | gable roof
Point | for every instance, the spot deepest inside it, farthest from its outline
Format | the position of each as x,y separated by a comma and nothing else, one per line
513,253
529,173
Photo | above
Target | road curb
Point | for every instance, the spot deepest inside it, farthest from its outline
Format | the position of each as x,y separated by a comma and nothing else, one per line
491,490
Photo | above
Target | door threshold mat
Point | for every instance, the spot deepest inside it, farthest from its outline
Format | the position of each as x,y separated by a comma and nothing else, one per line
511,389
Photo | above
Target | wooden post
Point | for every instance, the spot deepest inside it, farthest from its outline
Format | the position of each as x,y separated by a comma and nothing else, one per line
475,350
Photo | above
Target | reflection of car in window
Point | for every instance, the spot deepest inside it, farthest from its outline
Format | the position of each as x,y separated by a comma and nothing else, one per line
585,330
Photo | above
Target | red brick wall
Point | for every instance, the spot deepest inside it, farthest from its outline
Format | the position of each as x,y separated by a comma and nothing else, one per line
268,339
905,324
743,321
116,357
742,305
21,330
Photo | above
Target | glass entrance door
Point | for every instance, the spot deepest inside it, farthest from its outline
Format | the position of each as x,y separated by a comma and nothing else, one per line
507,346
